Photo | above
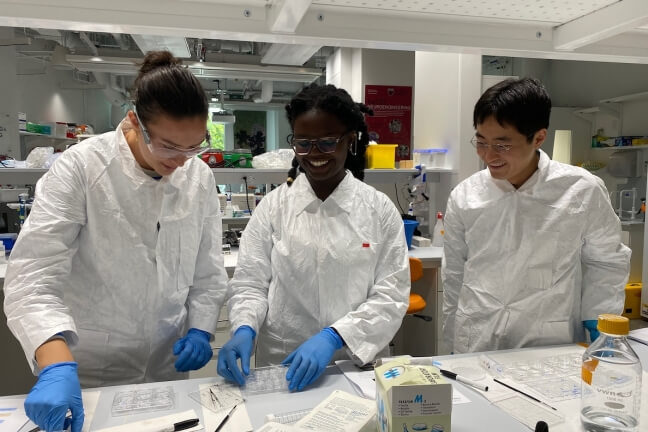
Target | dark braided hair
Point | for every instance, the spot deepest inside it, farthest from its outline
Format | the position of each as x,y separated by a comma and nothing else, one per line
337,102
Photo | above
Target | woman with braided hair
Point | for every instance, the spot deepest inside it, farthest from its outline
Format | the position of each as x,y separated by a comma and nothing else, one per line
323,262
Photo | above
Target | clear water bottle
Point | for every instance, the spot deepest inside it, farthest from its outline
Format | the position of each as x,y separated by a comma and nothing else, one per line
611,379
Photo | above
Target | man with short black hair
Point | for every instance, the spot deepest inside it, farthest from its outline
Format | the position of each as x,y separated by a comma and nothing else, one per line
533,250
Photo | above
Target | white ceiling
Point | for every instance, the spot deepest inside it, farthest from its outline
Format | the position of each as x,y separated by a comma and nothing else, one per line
553,11
591,30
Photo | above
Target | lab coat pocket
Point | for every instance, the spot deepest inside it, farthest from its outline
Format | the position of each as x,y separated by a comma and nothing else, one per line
90,353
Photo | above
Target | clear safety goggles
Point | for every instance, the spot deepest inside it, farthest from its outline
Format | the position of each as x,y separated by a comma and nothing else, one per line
168,151
482,146
303,146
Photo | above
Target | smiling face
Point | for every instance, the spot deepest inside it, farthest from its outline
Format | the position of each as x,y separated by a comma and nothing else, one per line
167,132
515,165
324,170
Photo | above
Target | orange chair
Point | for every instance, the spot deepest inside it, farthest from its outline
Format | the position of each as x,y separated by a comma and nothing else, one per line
416,302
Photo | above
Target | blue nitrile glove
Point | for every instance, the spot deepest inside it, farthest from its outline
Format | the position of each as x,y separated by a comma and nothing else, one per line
56,391
591,326
240,346
193,350
311,358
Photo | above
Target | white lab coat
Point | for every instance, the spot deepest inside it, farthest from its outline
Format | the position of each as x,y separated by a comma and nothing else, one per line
92,262
305,265
526,267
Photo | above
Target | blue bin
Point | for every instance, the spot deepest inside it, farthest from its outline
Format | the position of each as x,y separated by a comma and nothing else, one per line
410,226
8,239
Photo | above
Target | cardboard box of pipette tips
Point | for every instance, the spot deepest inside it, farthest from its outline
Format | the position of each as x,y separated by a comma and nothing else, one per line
412,397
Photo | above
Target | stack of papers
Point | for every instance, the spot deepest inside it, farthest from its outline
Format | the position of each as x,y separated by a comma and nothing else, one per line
640,335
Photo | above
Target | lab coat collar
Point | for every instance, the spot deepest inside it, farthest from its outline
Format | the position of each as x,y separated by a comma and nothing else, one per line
134,171
304,196
539,173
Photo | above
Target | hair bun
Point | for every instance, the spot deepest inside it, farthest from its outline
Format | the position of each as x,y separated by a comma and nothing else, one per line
158,59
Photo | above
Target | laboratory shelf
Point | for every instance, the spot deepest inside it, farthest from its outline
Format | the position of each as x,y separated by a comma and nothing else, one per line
236,220
32,134
17,176
256,176
621,148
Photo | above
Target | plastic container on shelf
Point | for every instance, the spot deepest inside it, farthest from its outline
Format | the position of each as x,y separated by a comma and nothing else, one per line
8,240
632,306
611,379
410,226
430,157
381,156
439,231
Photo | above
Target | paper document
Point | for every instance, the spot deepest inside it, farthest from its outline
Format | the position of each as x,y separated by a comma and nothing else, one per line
12,415
639,335
278,427
341,412
90,400
239,421
156,424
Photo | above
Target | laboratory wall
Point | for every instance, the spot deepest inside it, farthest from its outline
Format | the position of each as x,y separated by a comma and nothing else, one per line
52,97
9,96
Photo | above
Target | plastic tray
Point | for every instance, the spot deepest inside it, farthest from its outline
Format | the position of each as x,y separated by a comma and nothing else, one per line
143,400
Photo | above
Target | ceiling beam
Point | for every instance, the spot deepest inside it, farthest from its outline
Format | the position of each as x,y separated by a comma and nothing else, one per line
606,22
285,15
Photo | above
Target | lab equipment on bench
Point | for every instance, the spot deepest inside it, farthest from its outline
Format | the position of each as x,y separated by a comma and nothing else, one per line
611,379
143,400
218,397
266,380
288,417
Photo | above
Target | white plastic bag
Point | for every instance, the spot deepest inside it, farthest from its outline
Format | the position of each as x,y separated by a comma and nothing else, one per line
281,158
38,157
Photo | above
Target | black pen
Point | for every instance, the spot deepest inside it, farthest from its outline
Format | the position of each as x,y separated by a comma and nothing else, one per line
454,376
222,423
182,425
525,394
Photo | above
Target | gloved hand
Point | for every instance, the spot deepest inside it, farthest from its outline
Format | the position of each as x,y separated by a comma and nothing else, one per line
56,391
193,350
591,326
240,346
311,358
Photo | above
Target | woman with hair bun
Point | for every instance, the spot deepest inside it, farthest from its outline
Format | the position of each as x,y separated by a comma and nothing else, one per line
117,276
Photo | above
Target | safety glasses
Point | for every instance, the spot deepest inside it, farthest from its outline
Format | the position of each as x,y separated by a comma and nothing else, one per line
303,146
482,146
168,151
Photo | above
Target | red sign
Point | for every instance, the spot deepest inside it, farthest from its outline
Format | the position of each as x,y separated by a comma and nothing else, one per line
392,119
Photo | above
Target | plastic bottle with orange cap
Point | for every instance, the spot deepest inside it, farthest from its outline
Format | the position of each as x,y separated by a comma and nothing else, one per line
611,379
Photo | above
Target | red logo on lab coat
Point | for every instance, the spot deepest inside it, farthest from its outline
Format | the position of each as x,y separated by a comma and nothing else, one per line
365,245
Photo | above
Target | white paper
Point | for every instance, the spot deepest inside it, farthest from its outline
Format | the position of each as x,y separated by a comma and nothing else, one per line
363,382
156,424
239,421
341,412
639,335
12,415
90,400
278,427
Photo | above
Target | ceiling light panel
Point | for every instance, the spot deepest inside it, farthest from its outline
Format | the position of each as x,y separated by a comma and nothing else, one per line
176,45
552,11
288,54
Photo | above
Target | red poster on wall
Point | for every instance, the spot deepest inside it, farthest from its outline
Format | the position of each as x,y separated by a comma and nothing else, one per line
392,119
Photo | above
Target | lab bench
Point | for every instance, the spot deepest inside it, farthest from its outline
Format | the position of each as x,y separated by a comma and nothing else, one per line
470,416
